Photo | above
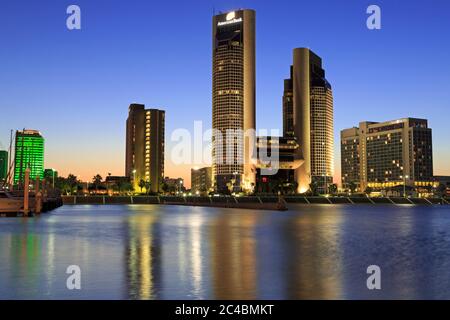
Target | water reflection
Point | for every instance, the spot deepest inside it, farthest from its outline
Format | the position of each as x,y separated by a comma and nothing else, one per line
171,252
142,255
315,262
233,258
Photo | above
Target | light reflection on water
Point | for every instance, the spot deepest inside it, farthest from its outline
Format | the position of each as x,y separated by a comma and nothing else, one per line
175,252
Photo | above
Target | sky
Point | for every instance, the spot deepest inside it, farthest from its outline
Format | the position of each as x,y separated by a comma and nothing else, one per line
75,86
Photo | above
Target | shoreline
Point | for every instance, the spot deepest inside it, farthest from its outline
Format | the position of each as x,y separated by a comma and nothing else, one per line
251,202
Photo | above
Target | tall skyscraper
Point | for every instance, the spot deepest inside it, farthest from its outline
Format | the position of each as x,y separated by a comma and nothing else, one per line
145,146
3,164
233,98
391,153
308,114
288,105
29,153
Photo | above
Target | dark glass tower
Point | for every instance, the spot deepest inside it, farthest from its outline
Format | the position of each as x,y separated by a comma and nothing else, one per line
288,105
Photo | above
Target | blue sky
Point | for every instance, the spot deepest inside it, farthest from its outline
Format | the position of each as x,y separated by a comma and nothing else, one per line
75,86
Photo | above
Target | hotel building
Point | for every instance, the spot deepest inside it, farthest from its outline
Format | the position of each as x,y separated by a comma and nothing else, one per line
350,162
387,154
308,115
201,180
233,98
29,153
288,105
145,146
174,185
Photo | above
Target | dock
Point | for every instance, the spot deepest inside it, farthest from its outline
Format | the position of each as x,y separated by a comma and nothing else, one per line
47,205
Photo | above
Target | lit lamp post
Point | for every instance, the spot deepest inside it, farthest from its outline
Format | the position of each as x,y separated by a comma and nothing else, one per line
134,178
404,185
234,183
53,174
181,185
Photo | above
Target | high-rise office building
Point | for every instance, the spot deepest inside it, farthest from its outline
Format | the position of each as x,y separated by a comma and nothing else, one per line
391,153
233,98
350,162
3,164
201,179
145,146
288,104
308,114
29,153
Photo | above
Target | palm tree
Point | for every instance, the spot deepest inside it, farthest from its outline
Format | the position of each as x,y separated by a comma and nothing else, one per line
352,187
141,184
313,188
332,188
164,187
441,189
147,186
120,186
127,187
97,180
72,182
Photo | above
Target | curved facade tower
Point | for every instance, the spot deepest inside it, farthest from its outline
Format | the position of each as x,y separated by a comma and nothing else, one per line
312,114
233,100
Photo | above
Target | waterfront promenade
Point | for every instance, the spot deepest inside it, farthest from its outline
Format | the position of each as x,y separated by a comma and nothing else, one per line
253,202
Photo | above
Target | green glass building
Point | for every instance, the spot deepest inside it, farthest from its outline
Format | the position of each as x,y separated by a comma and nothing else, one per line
3,164
29,152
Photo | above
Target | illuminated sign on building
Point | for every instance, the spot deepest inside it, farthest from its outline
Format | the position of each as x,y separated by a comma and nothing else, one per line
230,19
230,16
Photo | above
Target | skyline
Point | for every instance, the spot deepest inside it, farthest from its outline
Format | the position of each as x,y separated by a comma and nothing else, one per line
36,80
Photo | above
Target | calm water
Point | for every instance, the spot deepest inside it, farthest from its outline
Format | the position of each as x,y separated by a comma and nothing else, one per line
172,252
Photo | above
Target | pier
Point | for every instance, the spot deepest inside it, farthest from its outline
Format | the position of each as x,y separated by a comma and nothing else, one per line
34,207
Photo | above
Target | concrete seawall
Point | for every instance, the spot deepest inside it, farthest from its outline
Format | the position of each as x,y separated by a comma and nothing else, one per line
253,202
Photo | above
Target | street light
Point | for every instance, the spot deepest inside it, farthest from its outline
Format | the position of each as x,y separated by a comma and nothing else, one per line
404,185
235,173
134,178
53,172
